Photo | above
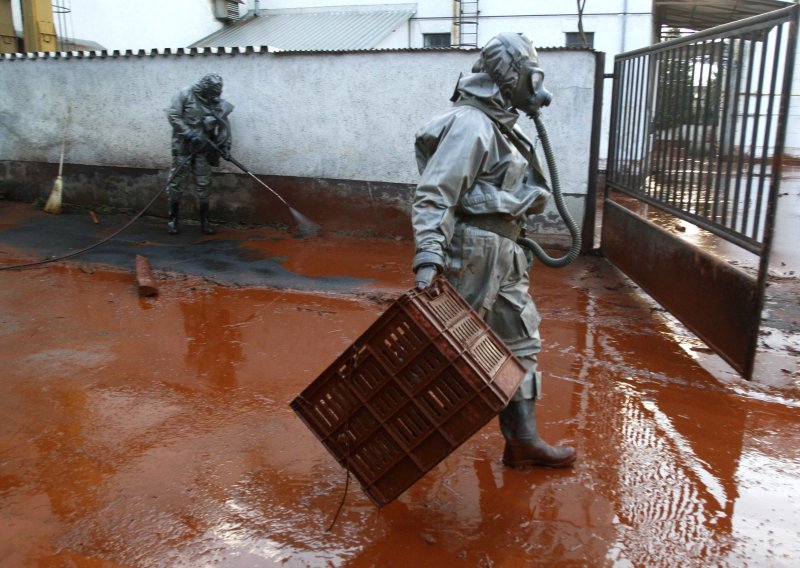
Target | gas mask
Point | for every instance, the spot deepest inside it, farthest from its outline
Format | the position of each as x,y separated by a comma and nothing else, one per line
512,62
530,95
212,94
209,89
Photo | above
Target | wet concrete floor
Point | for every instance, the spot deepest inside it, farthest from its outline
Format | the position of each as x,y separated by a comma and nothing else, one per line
779,341
156,432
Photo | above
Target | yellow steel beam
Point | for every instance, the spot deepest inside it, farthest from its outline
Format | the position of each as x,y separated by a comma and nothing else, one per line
39,29
8,37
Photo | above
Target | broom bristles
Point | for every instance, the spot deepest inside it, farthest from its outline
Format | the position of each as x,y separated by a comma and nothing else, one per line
53,204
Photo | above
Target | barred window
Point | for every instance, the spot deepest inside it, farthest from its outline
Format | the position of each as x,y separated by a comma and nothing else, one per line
436,40
573,39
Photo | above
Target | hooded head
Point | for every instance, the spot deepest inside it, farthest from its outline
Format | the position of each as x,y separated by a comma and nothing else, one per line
209,88
513,64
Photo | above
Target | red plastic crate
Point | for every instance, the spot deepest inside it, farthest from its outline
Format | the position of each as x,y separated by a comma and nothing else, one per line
426,376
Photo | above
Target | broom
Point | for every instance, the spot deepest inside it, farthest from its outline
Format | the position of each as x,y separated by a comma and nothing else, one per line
53,204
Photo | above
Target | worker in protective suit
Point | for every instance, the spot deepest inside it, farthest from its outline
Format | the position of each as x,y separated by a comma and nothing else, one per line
480,180
197,115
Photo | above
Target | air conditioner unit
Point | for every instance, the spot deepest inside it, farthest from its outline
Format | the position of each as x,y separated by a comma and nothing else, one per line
226,9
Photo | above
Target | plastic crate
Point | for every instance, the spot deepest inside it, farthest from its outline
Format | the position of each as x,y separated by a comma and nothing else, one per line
426,376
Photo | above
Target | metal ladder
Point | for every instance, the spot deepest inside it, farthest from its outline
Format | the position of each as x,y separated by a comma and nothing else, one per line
467,23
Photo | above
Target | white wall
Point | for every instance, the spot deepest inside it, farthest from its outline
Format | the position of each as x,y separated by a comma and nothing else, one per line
143,24
148,24
619,25
350,116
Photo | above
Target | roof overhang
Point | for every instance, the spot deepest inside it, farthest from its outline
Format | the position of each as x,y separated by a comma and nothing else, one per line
703,14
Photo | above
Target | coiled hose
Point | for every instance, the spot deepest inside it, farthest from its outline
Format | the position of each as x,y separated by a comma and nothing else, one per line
574,231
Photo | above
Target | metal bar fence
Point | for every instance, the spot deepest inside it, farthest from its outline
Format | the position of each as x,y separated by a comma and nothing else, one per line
697,121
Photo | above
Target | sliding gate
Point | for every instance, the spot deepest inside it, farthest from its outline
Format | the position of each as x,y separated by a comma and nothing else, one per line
697,131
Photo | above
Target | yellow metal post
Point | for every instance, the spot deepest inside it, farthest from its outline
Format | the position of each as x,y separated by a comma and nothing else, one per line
8,37
39,29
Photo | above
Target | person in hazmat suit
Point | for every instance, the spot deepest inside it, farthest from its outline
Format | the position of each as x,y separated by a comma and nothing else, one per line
197,115
479,181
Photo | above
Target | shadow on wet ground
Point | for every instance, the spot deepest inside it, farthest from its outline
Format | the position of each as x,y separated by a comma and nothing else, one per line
157,431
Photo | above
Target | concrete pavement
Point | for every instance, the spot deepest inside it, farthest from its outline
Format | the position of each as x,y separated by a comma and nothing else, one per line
156,431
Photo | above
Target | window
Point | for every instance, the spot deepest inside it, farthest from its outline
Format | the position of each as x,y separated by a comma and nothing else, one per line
436,40
574,39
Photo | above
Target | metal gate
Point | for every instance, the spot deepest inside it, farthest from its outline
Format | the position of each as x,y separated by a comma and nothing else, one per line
698,126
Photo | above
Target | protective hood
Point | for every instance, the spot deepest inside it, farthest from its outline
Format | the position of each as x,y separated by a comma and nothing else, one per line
513,64
481,87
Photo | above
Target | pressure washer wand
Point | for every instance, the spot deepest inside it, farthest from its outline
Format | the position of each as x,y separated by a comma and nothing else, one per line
239,165
306,225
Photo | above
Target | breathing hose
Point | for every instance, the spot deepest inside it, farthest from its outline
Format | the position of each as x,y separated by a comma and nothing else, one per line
574,231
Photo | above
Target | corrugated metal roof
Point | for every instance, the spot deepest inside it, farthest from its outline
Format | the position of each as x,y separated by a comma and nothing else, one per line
320,29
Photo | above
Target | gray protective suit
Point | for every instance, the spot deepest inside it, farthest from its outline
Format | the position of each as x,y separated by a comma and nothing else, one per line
195,113
480,180
474,185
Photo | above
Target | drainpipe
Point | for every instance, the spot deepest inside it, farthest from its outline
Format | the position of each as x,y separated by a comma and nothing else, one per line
624,26
455,33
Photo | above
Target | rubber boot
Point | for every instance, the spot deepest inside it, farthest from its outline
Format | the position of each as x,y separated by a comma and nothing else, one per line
172,220
205,226
524,448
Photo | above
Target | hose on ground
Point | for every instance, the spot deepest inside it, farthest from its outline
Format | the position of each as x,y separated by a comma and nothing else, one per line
109,237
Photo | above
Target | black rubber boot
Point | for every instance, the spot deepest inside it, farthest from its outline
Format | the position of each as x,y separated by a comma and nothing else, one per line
205,226
172,221
524,448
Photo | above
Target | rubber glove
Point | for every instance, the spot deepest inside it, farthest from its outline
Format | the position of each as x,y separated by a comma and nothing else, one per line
425,275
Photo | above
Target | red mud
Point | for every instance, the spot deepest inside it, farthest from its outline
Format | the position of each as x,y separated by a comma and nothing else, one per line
157,432
387,263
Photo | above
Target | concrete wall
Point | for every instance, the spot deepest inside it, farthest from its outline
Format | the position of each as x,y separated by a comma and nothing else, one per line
618,25
327,128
